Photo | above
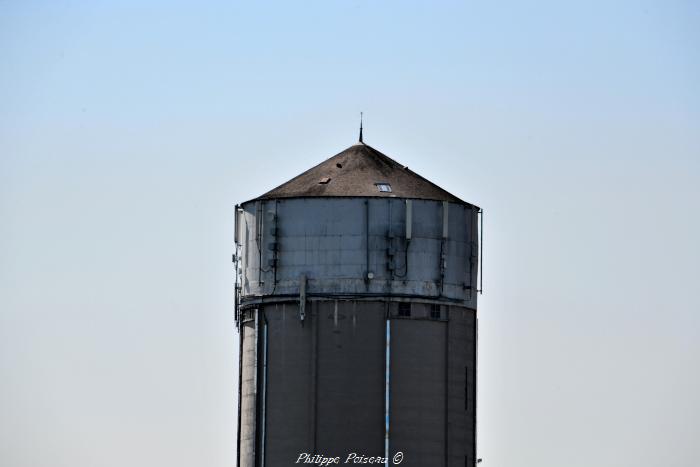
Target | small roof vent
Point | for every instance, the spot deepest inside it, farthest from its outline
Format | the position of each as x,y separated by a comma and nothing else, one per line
324,180
383,187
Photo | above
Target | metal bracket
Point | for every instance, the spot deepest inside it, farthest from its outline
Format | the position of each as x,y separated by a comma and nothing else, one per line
481,252
302,298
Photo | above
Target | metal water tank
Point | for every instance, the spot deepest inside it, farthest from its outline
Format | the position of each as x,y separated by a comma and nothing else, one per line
356,293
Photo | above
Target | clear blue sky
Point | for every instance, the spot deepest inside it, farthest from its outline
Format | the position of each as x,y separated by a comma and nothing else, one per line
128,132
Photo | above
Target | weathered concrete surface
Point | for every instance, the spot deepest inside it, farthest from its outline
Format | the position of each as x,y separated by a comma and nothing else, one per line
249,385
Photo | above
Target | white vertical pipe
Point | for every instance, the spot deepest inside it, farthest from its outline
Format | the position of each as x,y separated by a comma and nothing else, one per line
409,219
387,393
445,212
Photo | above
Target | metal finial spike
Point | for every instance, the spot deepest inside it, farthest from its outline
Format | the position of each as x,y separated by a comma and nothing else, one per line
360,127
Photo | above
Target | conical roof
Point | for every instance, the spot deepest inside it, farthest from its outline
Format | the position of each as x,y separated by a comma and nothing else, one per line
360,170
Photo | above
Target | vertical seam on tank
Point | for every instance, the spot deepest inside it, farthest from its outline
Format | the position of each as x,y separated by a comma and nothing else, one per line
240,381
468,229
259,236
263,421
481,255
447,385
367,244
443,246
387,384
476,367
390,245
314,363
275,253
256,382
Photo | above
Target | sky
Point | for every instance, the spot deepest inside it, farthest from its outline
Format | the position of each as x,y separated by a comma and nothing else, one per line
128,132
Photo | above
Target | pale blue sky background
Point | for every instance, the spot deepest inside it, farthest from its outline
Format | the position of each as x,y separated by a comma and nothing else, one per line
128,132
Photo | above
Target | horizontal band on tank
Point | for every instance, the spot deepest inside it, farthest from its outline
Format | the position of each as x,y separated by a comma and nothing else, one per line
403,198
249,302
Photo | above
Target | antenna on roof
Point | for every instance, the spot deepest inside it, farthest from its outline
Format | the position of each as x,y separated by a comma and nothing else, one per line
360,127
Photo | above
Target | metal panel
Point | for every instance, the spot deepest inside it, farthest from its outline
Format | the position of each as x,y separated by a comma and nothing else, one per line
445,218
418,385
289,384
461,391
236,226
350,405
326,239
409,219
331,368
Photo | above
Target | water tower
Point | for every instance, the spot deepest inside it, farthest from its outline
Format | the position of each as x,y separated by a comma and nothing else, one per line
356,293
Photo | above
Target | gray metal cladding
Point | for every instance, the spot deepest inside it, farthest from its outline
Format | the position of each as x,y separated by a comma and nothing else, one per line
337,242
320,281
325,380
418,386
461,385
432,398
290,384
350,377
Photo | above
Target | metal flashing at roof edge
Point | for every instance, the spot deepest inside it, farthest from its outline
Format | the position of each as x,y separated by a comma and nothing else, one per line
357,171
